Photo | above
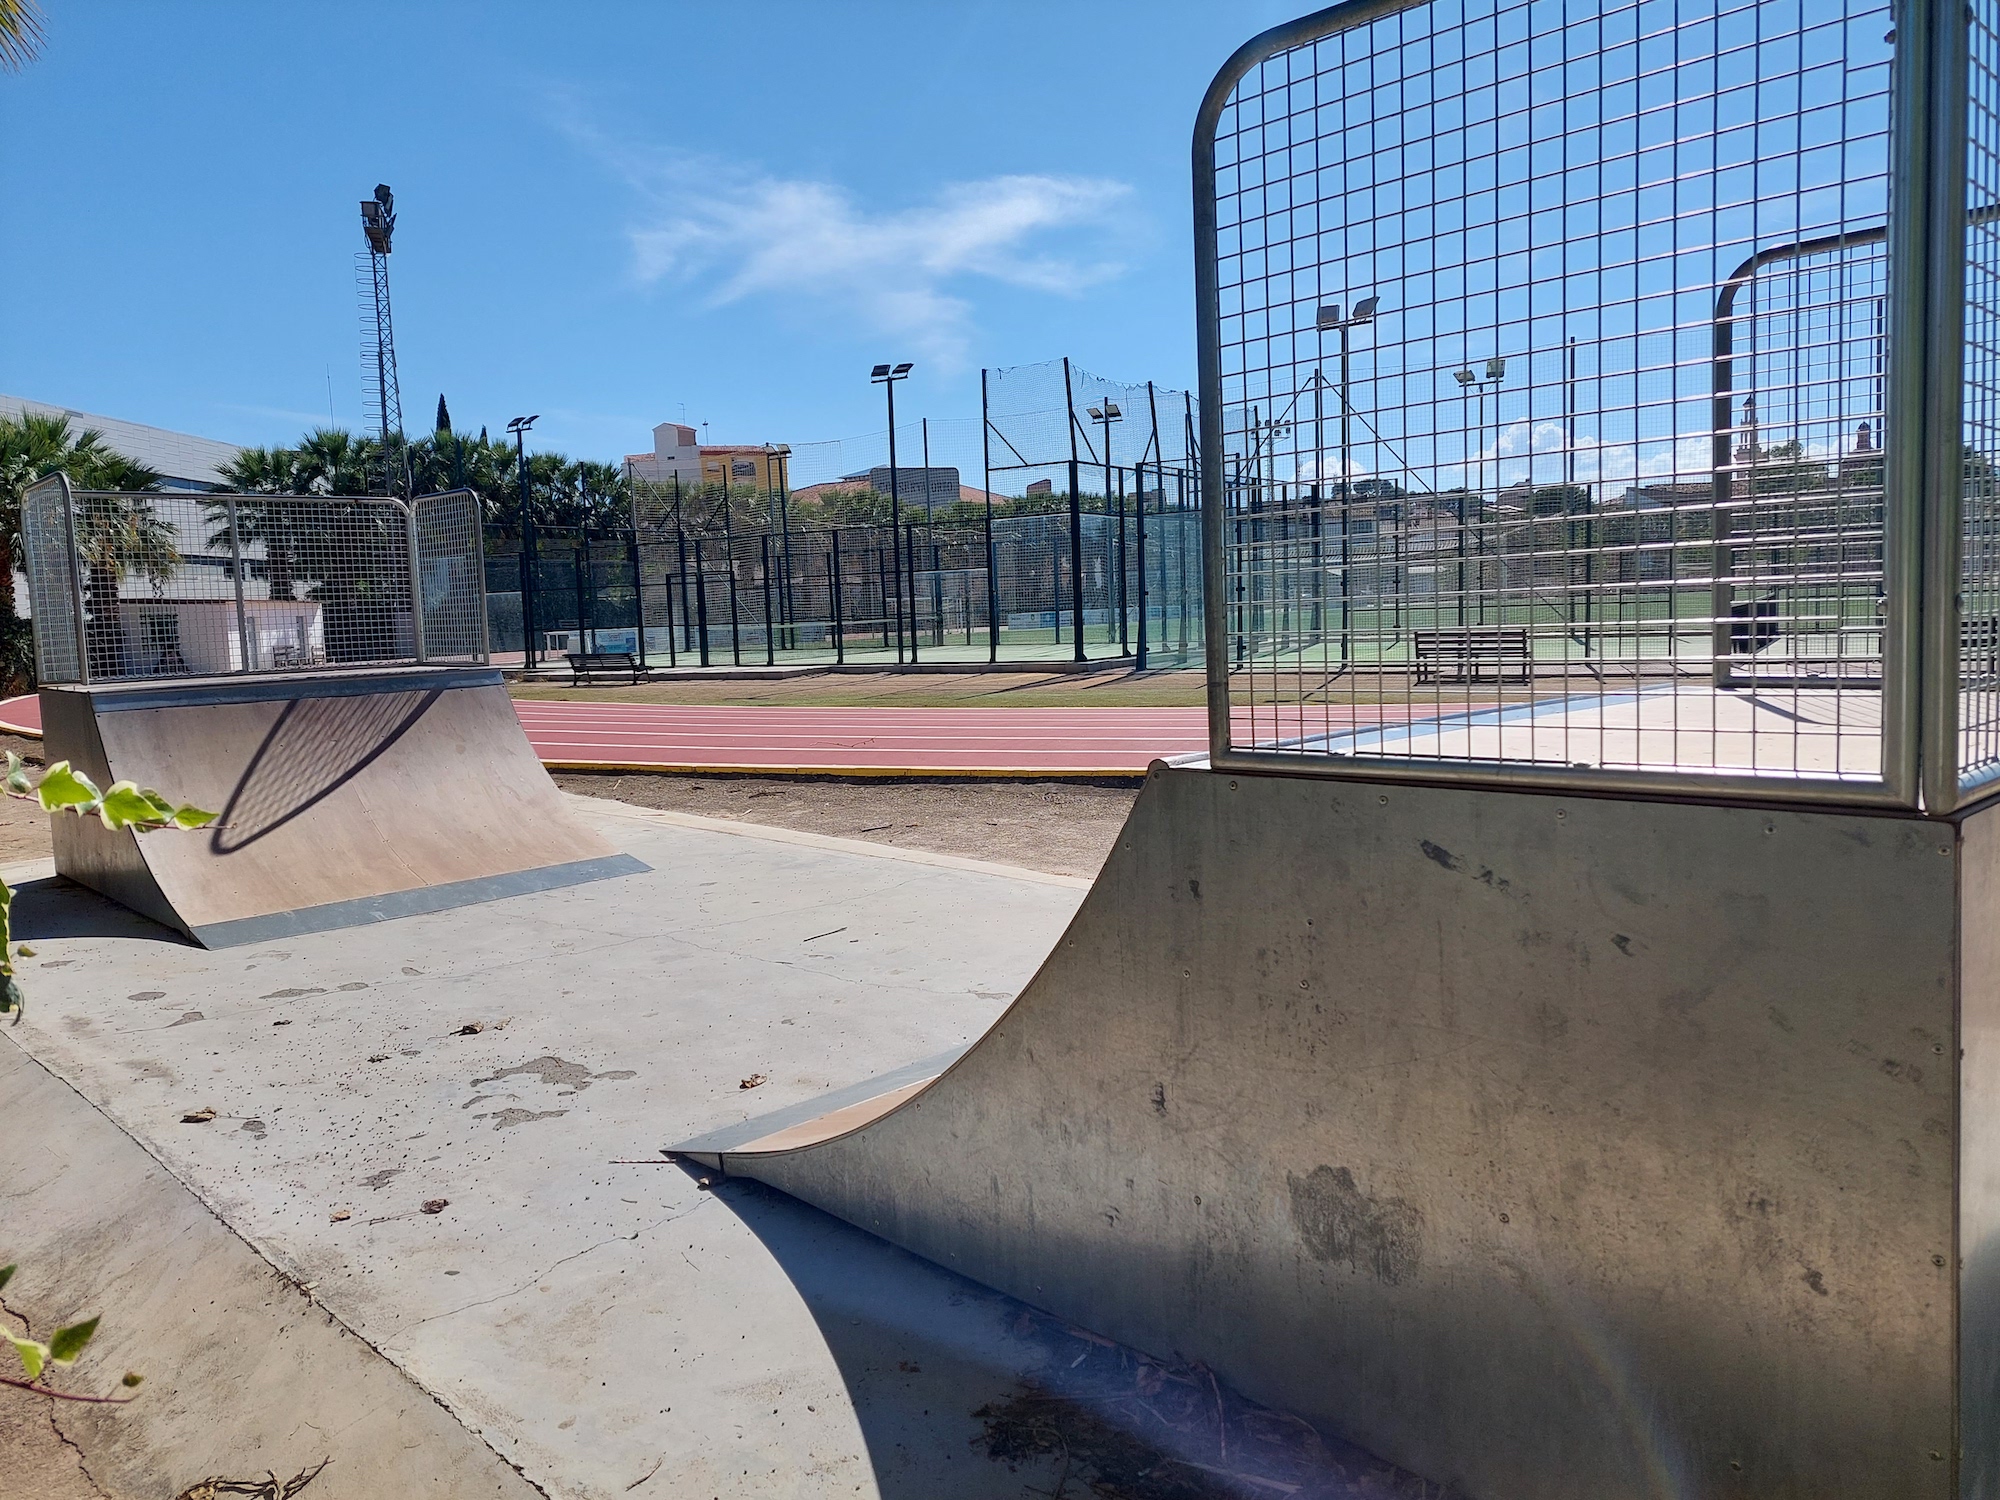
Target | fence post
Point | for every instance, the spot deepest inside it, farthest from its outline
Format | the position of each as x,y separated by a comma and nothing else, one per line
1124,630
909,546
639,600
416,583
1075,523
701,601
236,576
992,580
1139,483
76,581
764,554
681,577
833,588
735,622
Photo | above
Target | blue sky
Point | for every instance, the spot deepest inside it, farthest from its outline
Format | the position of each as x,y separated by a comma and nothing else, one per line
737,207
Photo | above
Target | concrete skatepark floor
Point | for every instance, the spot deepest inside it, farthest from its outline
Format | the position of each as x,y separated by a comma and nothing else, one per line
593,1322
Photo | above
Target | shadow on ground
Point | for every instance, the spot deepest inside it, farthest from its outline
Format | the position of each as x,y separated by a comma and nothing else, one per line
53,907
936,1365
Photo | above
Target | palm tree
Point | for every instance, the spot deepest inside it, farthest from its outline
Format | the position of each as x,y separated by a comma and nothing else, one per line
114,536
263,471
20,33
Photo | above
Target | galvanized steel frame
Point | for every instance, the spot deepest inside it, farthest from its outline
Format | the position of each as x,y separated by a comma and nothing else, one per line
413,558
1923,480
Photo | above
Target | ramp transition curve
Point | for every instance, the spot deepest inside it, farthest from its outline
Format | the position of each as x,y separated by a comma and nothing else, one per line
1550,1147
345,797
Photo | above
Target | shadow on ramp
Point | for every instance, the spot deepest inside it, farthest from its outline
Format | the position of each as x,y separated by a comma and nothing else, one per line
964,1391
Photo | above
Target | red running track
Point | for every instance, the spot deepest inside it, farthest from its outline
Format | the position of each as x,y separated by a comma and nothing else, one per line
864,741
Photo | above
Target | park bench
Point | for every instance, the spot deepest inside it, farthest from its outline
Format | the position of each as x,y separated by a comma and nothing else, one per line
1474,653
584,664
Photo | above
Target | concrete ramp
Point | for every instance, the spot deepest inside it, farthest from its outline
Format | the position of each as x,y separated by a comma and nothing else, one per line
1547,1146
345,797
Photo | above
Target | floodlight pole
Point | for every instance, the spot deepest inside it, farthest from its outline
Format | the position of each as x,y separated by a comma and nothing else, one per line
519,427
886,376
1330,320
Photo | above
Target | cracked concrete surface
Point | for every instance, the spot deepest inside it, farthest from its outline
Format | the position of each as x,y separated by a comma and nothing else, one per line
596,1317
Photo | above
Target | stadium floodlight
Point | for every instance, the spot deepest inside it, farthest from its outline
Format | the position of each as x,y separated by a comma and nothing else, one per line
1364,310
1495,368
880,372
1463,377
1329,317
904,368
378,218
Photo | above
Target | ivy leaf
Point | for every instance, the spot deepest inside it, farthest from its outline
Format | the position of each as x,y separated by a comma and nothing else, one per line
33,1355
7,1274
61,787
127,806
192,817
68,1342
11,997
18,784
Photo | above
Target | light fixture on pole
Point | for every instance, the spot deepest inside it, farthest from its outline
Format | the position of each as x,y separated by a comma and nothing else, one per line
886,376
1107,414
1496,371
519,428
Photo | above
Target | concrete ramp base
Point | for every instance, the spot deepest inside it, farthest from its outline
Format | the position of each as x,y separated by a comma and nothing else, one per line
345,798
1555,1148
244,1372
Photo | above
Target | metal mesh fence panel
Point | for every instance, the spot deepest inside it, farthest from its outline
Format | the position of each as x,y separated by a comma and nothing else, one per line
1550,345
52,582
450,560
170,585
1979,626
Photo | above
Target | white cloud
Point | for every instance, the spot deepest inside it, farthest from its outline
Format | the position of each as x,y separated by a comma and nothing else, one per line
734,234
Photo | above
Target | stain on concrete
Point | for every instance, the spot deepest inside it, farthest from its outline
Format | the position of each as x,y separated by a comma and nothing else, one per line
291,994
557,1073
255,1128
148,995
193,1015
506,1117
1816,1281
1437,854
381,1179
1622,943
1339,1222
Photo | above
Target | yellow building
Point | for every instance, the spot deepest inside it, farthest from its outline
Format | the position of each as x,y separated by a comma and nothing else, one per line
748,466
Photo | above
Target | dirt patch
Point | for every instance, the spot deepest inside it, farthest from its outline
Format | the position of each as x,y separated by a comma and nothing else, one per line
24,827
1124,1426
1061,828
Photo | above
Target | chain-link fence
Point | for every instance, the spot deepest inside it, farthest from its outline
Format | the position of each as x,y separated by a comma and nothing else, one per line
145,585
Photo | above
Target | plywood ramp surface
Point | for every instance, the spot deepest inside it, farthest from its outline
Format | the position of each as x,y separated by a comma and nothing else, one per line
335,792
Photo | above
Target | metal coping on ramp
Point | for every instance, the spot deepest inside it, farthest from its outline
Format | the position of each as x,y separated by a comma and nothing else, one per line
833,1113
410,903
112,697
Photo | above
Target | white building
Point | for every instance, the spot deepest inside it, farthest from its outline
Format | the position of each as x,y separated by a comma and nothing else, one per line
184,461
676,455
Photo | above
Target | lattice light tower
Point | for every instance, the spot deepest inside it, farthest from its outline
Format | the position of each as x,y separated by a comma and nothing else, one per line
381,395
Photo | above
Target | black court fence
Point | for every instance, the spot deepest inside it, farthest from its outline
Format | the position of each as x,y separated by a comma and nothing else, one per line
1005,588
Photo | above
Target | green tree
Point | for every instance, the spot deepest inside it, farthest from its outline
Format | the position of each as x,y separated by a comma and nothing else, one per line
20,33
115,536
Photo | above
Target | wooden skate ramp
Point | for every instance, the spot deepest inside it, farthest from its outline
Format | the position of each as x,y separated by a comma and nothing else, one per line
1554,1147
345,797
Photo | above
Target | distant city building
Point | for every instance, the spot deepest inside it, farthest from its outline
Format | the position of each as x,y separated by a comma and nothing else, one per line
183,461
757,466
675,455
935,486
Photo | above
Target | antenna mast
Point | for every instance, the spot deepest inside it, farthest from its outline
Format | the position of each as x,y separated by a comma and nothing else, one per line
382,397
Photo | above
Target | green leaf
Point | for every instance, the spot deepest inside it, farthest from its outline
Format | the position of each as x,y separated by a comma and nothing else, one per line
126,806
61,787
68,1342
18,784
193,817
11,997
7,1274
33,1355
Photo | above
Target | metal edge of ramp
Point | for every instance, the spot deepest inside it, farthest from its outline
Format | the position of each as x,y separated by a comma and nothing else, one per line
423,864
1360,1095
